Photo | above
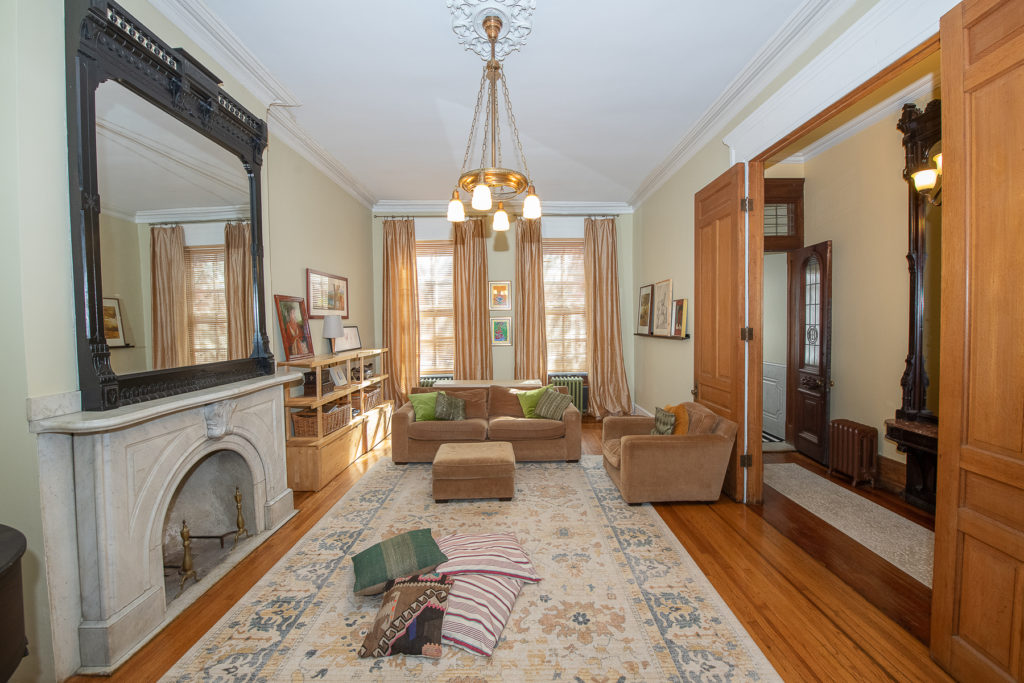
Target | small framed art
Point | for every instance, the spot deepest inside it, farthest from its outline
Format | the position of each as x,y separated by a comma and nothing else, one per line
326,294
661,308
501,295
349,341
643,316
291,317
113,328
679,318
501,331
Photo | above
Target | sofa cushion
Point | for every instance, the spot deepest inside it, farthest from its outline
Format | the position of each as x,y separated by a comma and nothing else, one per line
504,428
470,429
702,420
682,418
552,404
612,449
476,399
423,405
529,400
504,402
450,408
664,422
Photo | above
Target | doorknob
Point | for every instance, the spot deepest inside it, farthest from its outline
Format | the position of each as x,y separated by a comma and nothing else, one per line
831,383
694,391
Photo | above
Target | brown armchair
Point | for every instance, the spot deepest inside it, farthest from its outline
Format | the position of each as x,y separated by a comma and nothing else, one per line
651,468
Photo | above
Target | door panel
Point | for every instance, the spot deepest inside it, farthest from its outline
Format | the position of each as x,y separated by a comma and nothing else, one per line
718,306
774,397
810,320
978,594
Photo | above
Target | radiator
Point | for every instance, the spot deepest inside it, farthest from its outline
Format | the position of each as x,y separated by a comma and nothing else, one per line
853,450
428,380
576,384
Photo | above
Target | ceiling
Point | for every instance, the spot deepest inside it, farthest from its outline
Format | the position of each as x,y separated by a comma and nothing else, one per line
603,92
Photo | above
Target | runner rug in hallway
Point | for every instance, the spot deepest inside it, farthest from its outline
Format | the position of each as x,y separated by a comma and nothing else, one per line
896,539
620,598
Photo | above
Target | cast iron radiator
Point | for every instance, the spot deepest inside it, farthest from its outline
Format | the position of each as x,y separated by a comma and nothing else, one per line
576,383
428,380
853,450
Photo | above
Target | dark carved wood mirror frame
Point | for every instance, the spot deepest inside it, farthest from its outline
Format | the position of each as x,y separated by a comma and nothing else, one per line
104,42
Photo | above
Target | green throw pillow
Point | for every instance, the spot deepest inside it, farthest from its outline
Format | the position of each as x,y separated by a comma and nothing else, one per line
423,405
449,407
664,421
414,552
528,400
552,404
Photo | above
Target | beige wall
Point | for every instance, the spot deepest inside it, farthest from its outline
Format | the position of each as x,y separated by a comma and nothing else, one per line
775,307
123,280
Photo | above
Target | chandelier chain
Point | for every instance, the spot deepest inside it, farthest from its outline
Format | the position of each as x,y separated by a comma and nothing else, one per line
515,128
472,130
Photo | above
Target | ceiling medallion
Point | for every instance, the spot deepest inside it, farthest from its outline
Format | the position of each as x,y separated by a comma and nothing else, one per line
516,23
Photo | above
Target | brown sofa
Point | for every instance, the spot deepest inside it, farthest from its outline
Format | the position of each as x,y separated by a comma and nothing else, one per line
492,414
651,468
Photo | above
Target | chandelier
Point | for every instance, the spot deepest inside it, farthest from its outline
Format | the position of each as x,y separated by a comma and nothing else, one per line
490,183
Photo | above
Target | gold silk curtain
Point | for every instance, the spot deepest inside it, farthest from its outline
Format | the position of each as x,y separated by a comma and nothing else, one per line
238,289
470,296
170,310
401,310
609,393
531,344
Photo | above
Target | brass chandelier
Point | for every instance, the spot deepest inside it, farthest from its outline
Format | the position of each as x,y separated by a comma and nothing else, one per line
494,182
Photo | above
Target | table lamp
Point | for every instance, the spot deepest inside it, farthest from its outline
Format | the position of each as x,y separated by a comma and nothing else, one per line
334,327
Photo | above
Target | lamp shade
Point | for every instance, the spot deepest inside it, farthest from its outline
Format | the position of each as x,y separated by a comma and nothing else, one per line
925,179
531,205
456,210
500,219
334,327
481,198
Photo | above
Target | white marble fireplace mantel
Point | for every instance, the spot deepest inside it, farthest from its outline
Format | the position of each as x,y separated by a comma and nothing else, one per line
107,480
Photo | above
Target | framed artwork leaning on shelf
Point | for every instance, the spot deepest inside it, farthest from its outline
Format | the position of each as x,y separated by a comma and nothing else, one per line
643,318
113,328
679,318
291,317
661,308
349,341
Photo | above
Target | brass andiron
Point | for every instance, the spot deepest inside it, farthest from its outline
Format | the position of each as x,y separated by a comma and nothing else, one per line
186,562
239,519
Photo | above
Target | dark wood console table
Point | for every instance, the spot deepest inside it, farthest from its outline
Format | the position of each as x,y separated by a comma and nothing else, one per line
919,440
13,643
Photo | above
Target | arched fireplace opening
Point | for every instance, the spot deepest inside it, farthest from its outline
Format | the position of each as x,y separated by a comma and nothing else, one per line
207,503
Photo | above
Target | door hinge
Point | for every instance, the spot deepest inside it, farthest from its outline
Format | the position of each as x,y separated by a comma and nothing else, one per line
746,460
746,205
746,334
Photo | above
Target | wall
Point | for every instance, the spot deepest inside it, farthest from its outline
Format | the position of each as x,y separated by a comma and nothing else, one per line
775,308
122,280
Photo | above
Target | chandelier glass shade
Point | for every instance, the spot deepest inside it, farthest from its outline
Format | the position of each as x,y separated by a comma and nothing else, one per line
492,182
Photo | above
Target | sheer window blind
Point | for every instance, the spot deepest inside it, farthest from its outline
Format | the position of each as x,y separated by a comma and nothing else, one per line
437,309
207,304
565,305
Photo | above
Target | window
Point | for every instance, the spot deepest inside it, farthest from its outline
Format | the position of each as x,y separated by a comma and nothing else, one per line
437,310
783,214
565,305
207,304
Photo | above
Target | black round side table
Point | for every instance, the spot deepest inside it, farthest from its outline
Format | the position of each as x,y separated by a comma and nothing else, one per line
13,643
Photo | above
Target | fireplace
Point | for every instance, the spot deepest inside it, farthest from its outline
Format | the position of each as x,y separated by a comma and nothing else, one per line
124,480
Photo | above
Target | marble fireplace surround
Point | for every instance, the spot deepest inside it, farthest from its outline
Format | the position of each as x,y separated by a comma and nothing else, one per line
107,481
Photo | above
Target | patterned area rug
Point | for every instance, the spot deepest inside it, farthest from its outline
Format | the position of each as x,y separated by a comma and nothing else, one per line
620,600
907,545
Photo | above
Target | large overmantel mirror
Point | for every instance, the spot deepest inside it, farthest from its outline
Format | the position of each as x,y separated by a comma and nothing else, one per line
167,246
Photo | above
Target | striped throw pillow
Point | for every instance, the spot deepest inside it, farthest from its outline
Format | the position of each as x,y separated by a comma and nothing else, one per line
479,606
498,554
552,404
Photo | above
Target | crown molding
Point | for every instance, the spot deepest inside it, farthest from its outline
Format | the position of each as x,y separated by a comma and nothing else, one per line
199,214
805,25
885,33
890,107
197,21
434,207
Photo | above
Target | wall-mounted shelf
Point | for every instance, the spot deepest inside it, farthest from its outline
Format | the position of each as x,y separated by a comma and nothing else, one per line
661,336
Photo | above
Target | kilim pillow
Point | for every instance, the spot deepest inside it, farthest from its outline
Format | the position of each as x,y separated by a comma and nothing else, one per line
664,421
410,619
552,404
498,554
479,606
413,552
449,407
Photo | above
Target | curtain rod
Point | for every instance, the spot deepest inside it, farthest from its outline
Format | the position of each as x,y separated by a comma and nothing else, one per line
557,215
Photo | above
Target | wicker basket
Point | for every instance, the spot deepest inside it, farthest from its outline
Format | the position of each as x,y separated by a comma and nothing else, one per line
371,399
336,415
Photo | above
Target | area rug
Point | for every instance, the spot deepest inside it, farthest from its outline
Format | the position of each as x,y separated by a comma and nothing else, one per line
907,545
620,598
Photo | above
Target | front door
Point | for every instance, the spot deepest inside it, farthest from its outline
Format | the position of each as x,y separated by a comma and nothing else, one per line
810,326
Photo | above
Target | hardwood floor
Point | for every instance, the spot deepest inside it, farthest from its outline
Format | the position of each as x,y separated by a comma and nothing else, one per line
809,623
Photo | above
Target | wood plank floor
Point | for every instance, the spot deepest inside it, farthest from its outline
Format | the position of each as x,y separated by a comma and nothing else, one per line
809,623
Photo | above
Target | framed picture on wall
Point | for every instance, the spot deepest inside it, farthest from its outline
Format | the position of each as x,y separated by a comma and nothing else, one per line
326,294
501,295
291,317
661,308
113,328
349,341
643,316
501,331
679,317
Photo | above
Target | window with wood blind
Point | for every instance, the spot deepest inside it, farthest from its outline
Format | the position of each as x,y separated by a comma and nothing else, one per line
207,304
437,308
565,305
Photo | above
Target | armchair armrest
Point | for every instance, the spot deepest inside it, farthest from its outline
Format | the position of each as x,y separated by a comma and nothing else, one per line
619,426
673,467
573,433
400,421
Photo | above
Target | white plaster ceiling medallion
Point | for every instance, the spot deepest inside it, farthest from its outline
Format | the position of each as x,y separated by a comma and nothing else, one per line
516,23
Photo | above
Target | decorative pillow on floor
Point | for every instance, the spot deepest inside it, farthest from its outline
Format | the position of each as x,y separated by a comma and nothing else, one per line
423,405
479,606
449,407
498,554
413,552
410,619
552,404
664,422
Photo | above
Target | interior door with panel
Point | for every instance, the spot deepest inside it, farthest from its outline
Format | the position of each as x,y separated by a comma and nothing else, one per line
978,593
810,319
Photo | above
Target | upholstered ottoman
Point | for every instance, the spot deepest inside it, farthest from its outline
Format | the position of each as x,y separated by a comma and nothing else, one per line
474,470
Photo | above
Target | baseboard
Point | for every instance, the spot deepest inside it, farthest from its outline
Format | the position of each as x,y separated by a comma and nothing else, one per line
638,410
892,475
